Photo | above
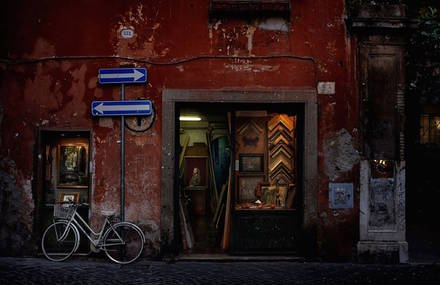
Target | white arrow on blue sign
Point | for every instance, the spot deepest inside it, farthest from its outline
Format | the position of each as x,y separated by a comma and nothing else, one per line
122,75
121,108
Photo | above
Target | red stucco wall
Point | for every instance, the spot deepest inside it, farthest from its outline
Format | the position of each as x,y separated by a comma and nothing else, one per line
51,52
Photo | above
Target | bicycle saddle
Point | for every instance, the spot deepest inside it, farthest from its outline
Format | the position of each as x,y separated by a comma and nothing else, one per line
108,213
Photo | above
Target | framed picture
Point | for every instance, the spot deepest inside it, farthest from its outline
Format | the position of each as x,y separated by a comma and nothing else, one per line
196,170
73,164
72,197
252,162
247,187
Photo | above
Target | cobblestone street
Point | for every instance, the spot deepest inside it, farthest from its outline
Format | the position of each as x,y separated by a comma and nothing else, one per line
77,271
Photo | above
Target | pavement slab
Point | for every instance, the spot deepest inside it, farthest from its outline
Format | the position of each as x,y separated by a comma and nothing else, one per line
81,271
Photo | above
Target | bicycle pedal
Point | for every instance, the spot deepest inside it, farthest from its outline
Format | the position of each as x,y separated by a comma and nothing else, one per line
94,249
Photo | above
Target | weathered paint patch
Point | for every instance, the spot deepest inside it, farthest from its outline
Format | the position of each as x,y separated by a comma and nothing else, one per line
217,24
41,84
42,48
340,154
274,24
143,41
252,67
16,211
152,233
98,93
250,36
106,122
146,140
180,68
76,94
93,82
66,65
137,16
332,50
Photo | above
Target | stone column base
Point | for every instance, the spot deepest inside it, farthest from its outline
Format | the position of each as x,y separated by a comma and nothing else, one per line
382,251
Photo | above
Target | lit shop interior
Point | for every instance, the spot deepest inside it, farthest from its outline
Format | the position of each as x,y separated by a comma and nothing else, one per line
240,183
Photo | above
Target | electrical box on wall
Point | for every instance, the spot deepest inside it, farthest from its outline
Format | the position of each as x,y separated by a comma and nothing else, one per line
340,195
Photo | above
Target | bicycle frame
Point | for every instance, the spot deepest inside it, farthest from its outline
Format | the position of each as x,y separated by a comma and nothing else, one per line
79,223
109,238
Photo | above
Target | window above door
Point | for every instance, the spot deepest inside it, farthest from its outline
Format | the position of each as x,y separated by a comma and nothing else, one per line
227,8
430,129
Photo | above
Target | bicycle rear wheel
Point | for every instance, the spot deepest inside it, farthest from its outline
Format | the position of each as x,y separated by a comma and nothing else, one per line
123,243
59,241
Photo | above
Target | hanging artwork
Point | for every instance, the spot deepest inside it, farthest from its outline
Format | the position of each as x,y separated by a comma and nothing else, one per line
72,197
250,134
247,187
195,171
73,166
252,162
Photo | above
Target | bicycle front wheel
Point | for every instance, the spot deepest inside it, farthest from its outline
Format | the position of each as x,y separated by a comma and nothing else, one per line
123,243
59,241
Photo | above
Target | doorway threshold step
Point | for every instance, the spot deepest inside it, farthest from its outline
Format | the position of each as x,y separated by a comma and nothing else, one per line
226,257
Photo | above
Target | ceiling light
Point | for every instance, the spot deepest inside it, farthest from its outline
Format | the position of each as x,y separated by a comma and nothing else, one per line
190,118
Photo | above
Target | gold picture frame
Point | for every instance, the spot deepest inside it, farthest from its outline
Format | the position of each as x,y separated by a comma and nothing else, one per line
73,165
68,197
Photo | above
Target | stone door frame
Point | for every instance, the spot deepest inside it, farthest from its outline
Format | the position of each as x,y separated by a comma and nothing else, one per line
171,97
37,186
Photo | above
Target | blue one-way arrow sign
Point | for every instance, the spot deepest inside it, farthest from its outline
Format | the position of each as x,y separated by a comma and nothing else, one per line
121,108
122,75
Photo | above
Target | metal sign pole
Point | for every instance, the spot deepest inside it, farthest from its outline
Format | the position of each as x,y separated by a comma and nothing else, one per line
122,159
122,108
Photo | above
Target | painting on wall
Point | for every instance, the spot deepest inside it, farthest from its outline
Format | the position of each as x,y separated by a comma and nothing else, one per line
252,162
247,187
71,197
73,166
195,171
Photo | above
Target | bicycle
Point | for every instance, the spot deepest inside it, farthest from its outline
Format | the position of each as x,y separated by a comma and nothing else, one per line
122,242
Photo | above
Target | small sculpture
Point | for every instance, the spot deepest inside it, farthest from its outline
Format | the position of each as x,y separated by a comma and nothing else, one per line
195,179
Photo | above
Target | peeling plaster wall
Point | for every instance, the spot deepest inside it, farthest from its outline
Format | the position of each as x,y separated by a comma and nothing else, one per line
16,210
83,36
339,229
340,154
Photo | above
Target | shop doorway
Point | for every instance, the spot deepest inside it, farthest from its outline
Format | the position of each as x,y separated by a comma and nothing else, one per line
204,163
262,172
240,178
63,174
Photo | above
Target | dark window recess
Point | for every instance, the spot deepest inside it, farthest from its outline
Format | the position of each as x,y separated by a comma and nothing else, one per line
430,129
264,8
